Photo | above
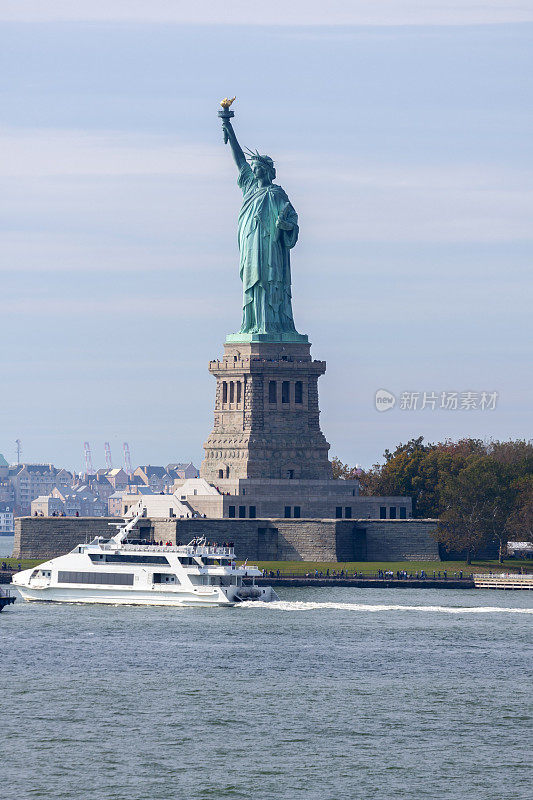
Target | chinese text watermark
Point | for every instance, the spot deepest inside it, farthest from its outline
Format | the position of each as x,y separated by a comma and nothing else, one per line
446,401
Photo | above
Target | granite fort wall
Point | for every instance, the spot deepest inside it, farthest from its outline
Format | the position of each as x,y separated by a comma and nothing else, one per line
47,537
259,539
400,540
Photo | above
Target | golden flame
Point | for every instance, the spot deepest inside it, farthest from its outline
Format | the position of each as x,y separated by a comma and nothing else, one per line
226,102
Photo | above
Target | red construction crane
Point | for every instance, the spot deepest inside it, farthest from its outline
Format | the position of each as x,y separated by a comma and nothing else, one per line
88,459
127,459
108,461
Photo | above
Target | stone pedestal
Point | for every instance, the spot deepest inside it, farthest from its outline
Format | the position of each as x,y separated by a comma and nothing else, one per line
266,414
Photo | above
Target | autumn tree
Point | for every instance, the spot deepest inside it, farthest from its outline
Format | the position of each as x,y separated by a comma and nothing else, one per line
476,506
482,492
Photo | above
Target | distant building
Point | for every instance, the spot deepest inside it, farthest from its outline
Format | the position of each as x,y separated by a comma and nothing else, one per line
134,482
7,519
114,504
183,470
64,479
100,485
4,468
520,549
160,506
117,478
157,478
79,501
30,481
7,495
47,506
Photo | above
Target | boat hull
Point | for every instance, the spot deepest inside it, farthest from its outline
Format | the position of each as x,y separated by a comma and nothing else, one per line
135,597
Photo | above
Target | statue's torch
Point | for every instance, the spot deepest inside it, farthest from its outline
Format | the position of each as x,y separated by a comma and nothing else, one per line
225,113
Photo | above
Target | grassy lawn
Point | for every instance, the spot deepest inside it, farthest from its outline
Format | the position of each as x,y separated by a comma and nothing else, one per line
365,567
411,567
25,563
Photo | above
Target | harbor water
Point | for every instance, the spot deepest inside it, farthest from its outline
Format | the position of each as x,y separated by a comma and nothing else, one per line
329,694
6,545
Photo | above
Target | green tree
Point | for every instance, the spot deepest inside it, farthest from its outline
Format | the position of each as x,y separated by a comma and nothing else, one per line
415,469
482,492
476,506
520,523
341,470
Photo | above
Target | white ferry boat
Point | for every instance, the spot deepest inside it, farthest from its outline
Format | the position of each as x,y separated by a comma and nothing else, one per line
123,572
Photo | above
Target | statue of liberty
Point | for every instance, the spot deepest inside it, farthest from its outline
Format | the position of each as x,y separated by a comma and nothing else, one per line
268,230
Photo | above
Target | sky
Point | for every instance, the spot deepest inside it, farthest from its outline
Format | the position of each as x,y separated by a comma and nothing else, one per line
402,133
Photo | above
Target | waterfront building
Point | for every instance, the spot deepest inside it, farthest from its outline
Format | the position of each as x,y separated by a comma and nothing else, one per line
7,494
30,481
7,519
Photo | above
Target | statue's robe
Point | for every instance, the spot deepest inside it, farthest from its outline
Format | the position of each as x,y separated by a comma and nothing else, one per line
264,255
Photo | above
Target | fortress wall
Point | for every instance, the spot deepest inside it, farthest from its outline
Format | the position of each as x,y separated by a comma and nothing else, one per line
47,537
394,540
255,539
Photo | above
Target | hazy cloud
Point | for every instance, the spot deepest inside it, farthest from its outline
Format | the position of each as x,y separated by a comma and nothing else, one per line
133,189
276,12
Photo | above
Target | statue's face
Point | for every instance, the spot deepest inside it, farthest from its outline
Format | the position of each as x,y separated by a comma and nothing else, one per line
259,171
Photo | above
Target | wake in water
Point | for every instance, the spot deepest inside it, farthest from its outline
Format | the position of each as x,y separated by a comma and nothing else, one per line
283,605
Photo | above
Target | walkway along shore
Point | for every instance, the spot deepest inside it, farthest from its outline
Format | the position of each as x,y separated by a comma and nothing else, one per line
371,582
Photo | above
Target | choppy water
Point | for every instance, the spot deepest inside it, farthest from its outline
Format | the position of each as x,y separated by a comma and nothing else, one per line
329,694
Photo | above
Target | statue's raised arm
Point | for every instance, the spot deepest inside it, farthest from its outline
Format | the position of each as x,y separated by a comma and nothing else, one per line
236,149
225,114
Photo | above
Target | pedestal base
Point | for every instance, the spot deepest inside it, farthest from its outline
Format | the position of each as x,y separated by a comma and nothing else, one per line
266,411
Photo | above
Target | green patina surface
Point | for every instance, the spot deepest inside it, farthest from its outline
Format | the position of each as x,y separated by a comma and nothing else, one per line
266,337
267,231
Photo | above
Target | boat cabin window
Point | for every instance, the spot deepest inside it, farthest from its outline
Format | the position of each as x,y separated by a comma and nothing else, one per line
165,577
126,558
219,580
41,573
199,580
110,578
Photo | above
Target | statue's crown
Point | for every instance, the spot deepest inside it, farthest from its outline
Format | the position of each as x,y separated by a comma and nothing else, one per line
266,160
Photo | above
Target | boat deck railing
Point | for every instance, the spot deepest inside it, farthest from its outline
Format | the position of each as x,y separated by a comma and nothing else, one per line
184,550
514,575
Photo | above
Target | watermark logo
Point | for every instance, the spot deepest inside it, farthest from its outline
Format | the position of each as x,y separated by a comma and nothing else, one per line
384,400
435,401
